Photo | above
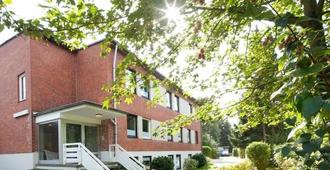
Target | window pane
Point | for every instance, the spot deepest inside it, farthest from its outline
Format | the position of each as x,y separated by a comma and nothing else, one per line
22,87
176,104
178,162
147,161
168,99
145,125
48,141
130,80
131,126
73,133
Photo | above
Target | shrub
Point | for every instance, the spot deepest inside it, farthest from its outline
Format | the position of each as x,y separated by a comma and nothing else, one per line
214,153
287,163
206,150
235,152
190,164
259,153
241,152
200,158
246,165
162,163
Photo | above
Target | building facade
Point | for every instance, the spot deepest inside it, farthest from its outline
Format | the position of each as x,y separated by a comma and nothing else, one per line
51,97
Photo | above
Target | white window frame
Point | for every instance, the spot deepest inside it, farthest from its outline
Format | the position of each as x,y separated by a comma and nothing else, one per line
22,87
168,99
146,135
132,133
176,103
144,90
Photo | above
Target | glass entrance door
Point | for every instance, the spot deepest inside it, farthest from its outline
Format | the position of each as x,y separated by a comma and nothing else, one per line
76,133
73,133
91,141
48,142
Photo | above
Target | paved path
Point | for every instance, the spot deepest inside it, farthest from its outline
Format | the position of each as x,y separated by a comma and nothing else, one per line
225,161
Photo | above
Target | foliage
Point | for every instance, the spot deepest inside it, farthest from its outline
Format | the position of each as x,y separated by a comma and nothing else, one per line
282,73
241,152
245,165
219,131
162,163
206,150
190,164
235,152
287,163
259,153
200,158
208,140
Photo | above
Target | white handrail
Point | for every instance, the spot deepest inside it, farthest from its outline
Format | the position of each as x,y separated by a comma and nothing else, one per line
125,158
83,157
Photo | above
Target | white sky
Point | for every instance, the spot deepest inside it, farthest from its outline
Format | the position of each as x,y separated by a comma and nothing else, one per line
28,9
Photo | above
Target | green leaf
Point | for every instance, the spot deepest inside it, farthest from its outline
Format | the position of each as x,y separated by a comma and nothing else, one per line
291,121
2,27
285,151
324,166
310,147
305,137
320,51
326,105
311,106
320,132
307,70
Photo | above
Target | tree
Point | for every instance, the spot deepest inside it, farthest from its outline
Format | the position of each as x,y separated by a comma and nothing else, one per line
283,73
219,131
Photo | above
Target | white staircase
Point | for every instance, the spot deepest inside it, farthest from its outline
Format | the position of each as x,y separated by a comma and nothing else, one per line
127,160
77,153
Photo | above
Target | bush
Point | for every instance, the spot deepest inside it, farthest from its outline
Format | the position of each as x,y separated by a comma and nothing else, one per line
162,163
259,153
241,152
246,165
210,152
287,163
235,152
200,158
190,164
214,153
206,150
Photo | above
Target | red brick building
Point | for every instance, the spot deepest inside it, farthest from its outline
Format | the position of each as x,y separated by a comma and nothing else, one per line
50,105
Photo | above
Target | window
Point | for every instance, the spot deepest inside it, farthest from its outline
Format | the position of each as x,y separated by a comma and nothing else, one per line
196,137
190,108
131,126
168,98
189,155
144,87
146,128
171,157
178,162
180,135
189,136
22,87
169,137
176,103
146,160
130,80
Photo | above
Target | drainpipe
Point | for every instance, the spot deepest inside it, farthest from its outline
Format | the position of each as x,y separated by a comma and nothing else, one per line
113,80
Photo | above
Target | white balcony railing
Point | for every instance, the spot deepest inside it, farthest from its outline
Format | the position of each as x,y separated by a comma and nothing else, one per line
124,158
77,153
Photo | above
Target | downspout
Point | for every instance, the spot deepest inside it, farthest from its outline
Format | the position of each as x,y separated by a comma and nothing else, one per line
114,121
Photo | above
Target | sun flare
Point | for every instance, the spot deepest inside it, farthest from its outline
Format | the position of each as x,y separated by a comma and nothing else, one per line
172,13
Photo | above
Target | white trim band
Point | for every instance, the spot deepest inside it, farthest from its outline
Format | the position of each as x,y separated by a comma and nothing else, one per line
21,113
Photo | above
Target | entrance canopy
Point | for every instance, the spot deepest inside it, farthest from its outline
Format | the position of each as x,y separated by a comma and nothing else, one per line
83,111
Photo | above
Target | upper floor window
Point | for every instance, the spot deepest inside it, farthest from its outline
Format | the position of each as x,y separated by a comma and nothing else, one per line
131,126
176,103
168,99
146,128
189,136
169,137
180,135
190,108
130,80
144,87
196,137
22,87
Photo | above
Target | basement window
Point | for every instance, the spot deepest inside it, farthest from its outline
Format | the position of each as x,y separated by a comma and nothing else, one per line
21,87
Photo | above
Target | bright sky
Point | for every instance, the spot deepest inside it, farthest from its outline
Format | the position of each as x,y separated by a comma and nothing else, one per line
28,9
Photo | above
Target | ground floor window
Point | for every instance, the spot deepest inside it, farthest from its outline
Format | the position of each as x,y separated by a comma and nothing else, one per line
48,141
146,128
131,126
178,162
189,155
146,160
